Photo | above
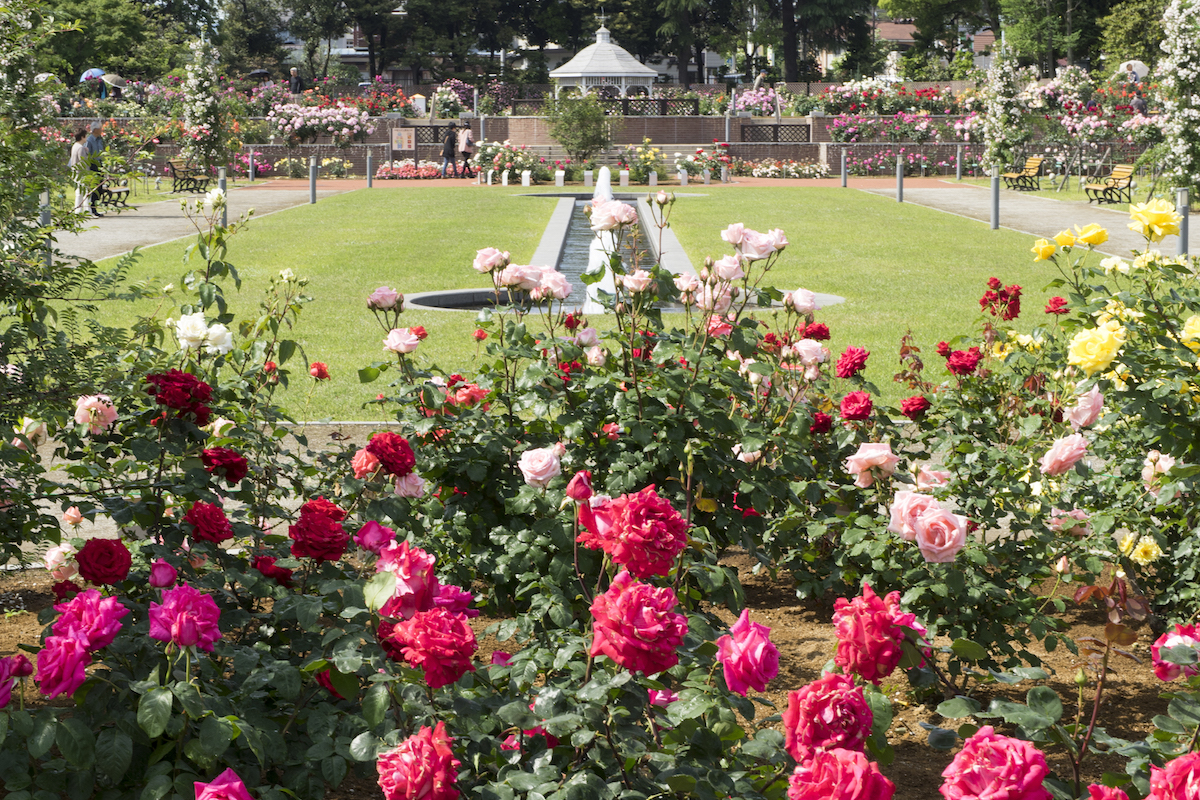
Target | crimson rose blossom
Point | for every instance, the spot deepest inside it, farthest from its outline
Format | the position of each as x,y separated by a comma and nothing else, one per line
266,566
822,423
1177,781
226,786
208,522
227,460
183,392
635,625
856,405
1057,305
963,362
642,532
827,713
851,362
186,618
104,561
868,638
394,452
318,532
748,657
437,641
839,775
818,331
422,767
61,665
995,766
914,407
90,618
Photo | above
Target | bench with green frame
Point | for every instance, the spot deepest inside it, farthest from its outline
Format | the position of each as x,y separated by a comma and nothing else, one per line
1116,188
1028,179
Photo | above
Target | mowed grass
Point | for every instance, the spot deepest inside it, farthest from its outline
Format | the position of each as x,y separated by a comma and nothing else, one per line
899,266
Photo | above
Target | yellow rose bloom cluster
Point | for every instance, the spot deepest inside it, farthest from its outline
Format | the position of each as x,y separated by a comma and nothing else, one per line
1191,332
1154,219
1093,350
1044,249
1091,234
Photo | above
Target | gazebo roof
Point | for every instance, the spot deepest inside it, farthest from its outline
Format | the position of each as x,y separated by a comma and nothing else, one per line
603,59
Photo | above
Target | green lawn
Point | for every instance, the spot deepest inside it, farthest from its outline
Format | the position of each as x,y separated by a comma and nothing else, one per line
898,266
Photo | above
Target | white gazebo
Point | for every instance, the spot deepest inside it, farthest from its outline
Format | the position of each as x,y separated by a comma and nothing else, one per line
603,64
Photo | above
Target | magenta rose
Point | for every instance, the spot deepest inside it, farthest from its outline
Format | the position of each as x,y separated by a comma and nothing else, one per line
90,618
851,362
7,679
415,581
162,574
641,531
580,487
872,461
226,786
422,767
1182,636
940,535
868,638
61,665
995,766
748,657
1063,454
186,618
454,599
830,712
906,508
374,537
839,775
438,642
104,561
1097,792
1179,780
636,625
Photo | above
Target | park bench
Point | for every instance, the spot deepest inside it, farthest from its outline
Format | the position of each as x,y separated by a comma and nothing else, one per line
1116,188
187,177
1028,179
112,194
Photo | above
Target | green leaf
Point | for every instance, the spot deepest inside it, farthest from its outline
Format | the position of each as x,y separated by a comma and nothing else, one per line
968,650
1045,701
76,743
1165,723
367,374
215,735
156,788
42,738
1185,711
517,715
333,770
375,704
364,747
189,698
940,738
154,711
379,589
114,752
346,685
1020,714
958,707
287,349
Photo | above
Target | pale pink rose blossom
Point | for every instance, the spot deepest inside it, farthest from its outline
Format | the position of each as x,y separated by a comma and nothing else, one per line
610,214
1063,454
932,478
540,465
521,276
638,282
803,301
73,516
411,485
718,300
587,337
383,298
1156,465
778,239
906,509
687,283
1073,522
809,352
596,356
756,246
729,268
401,340
734,233
940,535
60,562
554,284
873,460
1086,410
488,259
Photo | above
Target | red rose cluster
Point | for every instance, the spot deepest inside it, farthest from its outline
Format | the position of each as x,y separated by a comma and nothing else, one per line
1004,303
229,462
209,523
641,531
104,561
183,392
635,625
318,532
394,452
266,567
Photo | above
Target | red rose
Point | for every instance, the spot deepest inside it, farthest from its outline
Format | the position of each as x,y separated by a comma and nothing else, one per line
636,625
323,507
1057,305
104,561
266,566
318,533
868,637
641,531
419,332
422,766
226,460
394,452
827,713
821,423
183,392
818,331
65,590
914,407
856,405
851,362
439,642
208,522
319,371
269,367
963,362
943,349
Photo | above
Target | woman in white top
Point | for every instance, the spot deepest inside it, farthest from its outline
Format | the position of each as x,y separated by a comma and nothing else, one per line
79,155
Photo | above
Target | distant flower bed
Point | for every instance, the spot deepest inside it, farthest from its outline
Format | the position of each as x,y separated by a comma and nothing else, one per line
782,168
408,169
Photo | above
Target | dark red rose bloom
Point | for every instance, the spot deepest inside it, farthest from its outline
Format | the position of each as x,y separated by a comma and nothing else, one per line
183,392
821,423
208,522
318,535
572,322
65,590
818,331
104,561
266,566
993,283
963,362
943,349
228,461
856,405
394,452
323,507
851,362
914,407
384,633
1057,305
1004,303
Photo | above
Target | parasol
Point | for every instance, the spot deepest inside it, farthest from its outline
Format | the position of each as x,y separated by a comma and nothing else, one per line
91,75
259,73
1139,67
113,79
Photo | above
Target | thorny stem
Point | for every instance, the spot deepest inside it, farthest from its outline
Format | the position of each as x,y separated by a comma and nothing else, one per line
1077,766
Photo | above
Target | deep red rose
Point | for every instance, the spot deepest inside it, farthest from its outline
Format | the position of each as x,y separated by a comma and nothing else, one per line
963,362
104,561
65,590
1057,305
821,423
438,642
993,283
572,322
322,506
183,392
818,331
228,461
208,521
914,407
851,362
943,349
394,452
856,405
317,534
641,531
266,566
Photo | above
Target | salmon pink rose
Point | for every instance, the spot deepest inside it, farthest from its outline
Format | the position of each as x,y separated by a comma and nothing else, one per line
748,657
73,517
438,642
636,625
830,712
422,767
932,478
60,561
839,775
1074,522
96,411
868,636
995,766
1182,636
906,509
1063,454
411,485
364,464
940,535
872,461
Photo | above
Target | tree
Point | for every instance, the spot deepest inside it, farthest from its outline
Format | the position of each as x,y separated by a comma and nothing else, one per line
1133,30
580,126
808,26
108,31
314,22
251,36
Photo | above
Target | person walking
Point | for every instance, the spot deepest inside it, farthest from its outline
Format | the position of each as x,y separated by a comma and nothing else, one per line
1139,104
466,146
295,82
77,163
95,146
449,156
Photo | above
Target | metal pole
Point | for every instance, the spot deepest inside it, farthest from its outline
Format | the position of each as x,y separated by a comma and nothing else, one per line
899,179
44,220
475,105
995,197
312,179
843,167
1181,205
250,166
482,129
727,118
370,169
958,164
225,205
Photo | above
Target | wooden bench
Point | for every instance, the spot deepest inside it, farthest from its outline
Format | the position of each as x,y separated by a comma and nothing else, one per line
1116,188
187,177
112,194
1028,179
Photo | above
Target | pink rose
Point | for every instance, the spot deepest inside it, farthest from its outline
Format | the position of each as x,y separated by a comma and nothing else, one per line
932,478
940,535
186,618
1063,454
60,562
61,665
383,298
438,642
662,697
1086,410
906,508
635,625
717,299
1182,636
641,531
637,282
96,411
411,485
612,214
839,775
802,301
1156,465
747,655
554,284
830,712
1176,781
422,767
226,786
540,465
501,658
1066,521
687,283
995,766
734,233
162,574
868,636
596,356
778,239
588,337
90,618
364,464
374,537
401,340
756,246
873,460
489,259
729,268
454,599
73,517
1097,792
415,580
809,352
611,431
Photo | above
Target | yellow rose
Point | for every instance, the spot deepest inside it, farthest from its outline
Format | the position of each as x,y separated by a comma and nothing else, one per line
1146,552
1093,350
1065,239
1043,249
1154,219
1191,333
1001,350
1091,234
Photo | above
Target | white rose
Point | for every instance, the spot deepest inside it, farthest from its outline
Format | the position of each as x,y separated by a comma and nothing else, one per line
596,356
804,301
191,331
220,340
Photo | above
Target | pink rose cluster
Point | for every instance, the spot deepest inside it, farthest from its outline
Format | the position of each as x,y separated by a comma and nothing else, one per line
1181,636
86,623
186,617
542,283
641,531
749,659
829,713
870,631
872,461
422,767
609,214
919,518
636,625
991,765
752,245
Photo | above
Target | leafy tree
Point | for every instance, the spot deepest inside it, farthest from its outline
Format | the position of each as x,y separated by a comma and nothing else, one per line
315,22
580,126
1133,30
198,17
865,54
107,32
250,36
